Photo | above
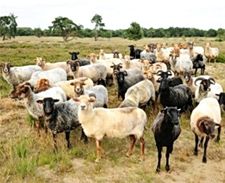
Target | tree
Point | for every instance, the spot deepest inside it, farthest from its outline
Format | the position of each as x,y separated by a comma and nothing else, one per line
97,19
65,27
135,31
221,34
8,26
38,32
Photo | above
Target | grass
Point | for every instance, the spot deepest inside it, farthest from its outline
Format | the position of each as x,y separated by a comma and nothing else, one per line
26,157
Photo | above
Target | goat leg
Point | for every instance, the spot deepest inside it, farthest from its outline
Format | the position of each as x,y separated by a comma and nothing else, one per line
67,133
204,159
132,142
142,145
218,135
196,145
159,147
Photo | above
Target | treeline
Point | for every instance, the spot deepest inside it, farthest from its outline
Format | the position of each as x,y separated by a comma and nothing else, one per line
151,32
67,29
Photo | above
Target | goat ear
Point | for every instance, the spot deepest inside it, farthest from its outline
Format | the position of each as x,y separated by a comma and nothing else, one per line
56,100
68,62
217,126
39,101
70,53
78,53
92,99
76,99
125,73
205,126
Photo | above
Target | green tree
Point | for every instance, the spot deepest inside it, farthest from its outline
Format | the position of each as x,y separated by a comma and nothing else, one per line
65,27
97,19
8,26
38,32
135,31
221,34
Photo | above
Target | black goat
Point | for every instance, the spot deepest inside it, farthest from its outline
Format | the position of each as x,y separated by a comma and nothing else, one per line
198,64
179,96
74,57
134,53
166,129
221,100
61,117
174,81
126,79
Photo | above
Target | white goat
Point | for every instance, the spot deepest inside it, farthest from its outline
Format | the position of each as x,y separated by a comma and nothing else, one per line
139,94
205,118
17,75
53,75
117,122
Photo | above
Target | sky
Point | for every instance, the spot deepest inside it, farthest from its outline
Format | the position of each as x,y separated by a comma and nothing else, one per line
119,14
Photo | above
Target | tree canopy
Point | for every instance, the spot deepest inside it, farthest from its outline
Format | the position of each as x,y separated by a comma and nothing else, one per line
97,19
65,27
8,26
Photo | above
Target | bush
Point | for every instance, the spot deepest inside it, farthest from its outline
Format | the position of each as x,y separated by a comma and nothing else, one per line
221,58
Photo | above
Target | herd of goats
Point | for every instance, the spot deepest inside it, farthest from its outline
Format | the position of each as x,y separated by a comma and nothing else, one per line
62,96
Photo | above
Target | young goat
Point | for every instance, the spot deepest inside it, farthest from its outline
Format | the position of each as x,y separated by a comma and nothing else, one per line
166,129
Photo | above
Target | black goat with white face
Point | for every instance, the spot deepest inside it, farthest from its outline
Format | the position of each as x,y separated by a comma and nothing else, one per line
166,129
61,117
179,96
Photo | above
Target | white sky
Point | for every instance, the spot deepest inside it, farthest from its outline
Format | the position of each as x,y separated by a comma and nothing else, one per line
116,14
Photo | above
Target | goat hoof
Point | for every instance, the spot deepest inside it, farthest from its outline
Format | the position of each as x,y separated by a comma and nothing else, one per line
204,160
167,168
97,160
142,158
217,140
128,154
196,153
157,170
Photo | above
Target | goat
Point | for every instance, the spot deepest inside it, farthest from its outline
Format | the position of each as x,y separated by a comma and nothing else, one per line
203,121
117,122
166,129
61,117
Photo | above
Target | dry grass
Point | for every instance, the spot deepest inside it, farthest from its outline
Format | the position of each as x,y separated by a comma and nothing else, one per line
26,157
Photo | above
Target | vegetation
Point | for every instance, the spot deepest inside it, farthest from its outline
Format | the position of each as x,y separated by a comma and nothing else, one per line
97,19
63,26
134,32
8,26
27,157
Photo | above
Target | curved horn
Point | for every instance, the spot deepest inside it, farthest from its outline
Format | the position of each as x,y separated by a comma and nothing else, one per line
169,73
159,72
212,81
198,79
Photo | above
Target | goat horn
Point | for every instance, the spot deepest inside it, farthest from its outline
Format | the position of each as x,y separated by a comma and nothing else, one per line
198,79
212,81
159,72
